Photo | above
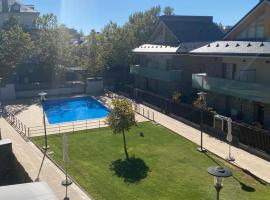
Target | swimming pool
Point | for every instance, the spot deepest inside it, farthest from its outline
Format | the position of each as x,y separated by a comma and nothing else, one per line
74,109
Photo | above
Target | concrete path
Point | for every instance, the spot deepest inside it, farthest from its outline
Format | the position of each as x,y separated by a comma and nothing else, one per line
30,158
257,166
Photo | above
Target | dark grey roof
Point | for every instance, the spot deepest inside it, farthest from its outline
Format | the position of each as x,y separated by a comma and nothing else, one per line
193,28
234,48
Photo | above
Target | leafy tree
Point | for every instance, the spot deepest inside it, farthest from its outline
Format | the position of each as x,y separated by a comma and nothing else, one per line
121,119
176,97
89,54
66,45
55,47
112,47
15,47
168,10
200,103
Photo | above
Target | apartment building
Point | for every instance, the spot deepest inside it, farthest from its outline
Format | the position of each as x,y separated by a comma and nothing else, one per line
161,65
239,85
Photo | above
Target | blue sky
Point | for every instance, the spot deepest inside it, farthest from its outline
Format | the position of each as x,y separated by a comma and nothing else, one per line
94,14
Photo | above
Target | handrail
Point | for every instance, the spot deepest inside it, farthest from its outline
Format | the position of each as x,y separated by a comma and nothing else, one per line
20,127
66,127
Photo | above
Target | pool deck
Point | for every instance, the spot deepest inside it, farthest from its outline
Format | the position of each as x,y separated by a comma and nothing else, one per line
29,112
30,157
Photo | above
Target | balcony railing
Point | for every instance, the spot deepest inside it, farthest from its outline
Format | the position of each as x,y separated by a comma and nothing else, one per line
158,74
245,90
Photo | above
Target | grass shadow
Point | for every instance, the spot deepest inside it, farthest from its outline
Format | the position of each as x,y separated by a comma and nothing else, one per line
132,170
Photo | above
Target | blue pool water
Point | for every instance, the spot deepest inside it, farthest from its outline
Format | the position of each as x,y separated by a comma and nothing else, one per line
74,109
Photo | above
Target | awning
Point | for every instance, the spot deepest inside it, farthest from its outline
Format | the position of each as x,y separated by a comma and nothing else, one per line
28,191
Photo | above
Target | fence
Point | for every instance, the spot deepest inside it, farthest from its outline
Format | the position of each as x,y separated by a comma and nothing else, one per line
20,127
255,138
148,114
66,127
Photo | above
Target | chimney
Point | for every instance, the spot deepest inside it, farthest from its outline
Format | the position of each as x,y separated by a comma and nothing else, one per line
4,6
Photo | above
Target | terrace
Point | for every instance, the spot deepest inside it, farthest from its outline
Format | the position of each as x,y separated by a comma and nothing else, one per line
158,74
250,91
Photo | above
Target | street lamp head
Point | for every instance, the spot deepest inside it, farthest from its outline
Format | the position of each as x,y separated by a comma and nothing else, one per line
219,173
42,96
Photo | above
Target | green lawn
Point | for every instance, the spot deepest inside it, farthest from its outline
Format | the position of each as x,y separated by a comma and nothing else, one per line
176,170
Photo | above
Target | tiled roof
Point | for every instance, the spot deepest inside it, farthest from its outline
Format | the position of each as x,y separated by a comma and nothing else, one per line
234,48
193,28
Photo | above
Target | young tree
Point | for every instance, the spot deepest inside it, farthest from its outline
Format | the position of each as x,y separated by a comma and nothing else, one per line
168,10
121,119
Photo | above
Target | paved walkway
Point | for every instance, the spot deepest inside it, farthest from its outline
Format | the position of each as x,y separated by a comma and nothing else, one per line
257,166
30,158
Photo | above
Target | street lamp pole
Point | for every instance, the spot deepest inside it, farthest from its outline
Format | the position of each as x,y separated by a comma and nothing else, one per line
202,97
219,174
1,93
42,99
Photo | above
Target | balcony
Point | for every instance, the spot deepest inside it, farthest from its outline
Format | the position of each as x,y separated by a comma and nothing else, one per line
157,74
245,90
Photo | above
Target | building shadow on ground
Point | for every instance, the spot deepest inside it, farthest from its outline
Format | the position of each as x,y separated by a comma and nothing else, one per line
12,172
132,170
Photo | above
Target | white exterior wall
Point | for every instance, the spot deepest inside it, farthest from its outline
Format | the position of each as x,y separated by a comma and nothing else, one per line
94,86
51,92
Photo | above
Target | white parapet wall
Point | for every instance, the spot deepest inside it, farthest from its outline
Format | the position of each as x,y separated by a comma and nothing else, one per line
94,86
51,92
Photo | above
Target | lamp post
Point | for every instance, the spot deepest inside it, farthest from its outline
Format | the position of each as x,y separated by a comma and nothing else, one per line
219,174
42,99
202,97
1,93
67,182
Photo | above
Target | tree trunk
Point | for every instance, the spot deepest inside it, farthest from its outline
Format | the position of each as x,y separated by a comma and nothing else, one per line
125,145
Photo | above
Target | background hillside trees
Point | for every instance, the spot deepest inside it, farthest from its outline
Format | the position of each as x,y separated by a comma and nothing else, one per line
52,45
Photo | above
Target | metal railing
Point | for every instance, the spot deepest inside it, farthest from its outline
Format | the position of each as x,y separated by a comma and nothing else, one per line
148,114
66,127
20,127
